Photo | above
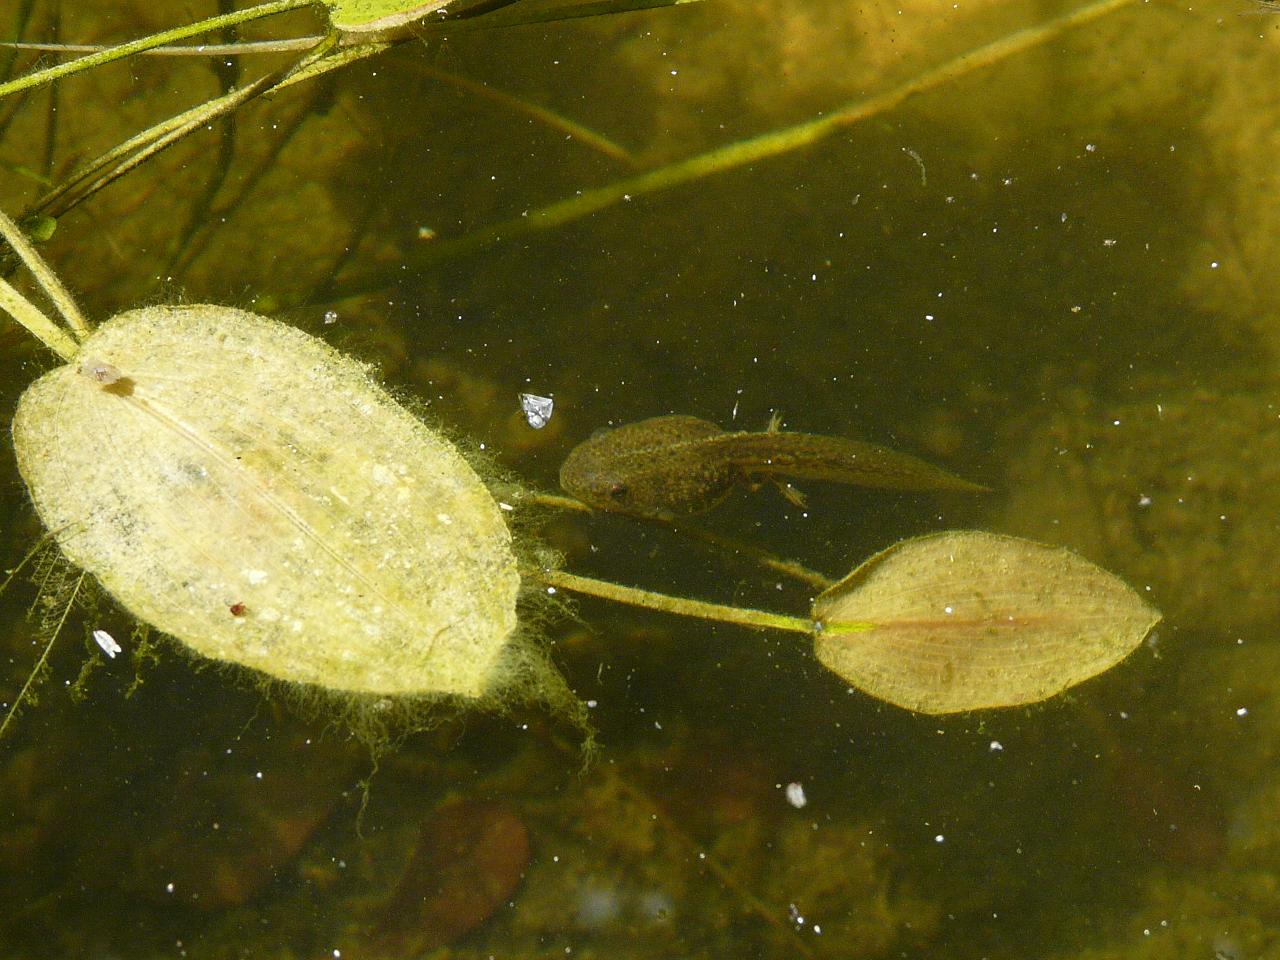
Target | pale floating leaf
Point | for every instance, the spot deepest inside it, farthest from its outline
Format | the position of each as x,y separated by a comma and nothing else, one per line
249,490
967,620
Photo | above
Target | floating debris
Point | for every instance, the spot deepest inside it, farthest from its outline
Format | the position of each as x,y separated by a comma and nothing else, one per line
107,643
537,410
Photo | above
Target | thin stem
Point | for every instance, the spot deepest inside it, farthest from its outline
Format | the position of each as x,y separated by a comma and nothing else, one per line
20,21
246,184
40,326
731,880
51,115
682,606
170,131
519,17
228,73
38,670
311,67
39,545
249,47
584,135
789,568
239,49
164,134
122,50
768,145
27,313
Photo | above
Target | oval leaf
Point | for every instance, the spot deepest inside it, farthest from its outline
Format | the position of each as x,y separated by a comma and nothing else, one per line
967,620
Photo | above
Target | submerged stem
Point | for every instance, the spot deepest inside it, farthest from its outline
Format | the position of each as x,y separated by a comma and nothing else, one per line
29,315
718,541
123,50
772,144
52,286
683,606
38,670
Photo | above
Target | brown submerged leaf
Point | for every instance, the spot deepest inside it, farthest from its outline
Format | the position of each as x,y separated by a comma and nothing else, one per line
470,859
967,620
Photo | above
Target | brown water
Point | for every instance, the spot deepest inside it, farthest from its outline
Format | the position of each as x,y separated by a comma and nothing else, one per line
1054,275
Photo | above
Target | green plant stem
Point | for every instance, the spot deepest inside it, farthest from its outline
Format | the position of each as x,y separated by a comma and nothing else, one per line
790,568
682,606
574,11
25,312
732,545
584,135
40,326
134,151
335,56
89,179
763,147
120,51
243,48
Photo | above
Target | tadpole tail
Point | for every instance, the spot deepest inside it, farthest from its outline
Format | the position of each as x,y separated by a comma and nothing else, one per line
807,456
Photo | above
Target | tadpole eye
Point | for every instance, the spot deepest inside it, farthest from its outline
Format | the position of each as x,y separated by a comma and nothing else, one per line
617,492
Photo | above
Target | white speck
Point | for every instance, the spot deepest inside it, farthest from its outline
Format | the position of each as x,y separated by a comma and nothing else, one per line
795,795
1213,264
445,519
1109,243
592,704
995,746
168,887
255,577
939,838
1144,501
1090,147
505,506
258,775
948,609
537,410
330,317
1242,711
107,642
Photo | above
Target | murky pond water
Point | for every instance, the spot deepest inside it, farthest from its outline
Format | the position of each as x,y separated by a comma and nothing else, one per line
1051,271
